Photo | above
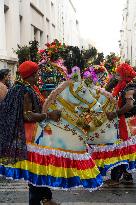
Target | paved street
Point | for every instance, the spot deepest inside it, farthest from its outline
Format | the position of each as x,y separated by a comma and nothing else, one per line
17,193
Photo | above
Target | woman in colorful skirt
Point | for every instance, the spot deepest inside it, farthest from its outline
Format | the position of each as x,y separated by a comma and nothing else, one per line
20,110
125,91
21,157
123,150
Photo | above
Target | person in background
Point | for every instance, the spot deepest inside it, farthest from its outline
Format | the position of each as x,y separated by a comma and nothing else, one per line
4,82
23,107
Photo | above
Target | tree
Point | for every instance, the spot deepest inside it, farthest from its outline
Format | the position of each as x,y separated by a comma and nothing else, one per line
73,56
23,53
28,52
99,59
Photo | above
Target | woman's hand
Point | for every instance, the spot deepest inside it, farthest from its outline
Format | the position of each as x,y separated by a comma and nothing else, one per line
54,115
111,115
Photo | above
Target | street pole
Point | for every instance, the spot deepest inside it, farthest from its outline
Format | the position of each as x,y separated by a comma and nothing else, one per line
131,48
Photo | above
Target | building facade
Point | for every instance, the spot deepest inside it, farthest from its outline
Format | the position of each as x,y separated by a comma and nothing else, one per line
128,32
86,43
44,20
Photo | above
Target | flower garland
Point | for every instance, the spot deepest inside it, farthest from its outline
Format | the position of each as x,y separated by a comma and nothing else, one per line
55,50
91,74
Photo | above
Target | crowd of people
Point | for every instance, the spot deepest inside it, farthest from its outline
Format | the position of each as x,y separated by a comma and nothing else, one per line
21,108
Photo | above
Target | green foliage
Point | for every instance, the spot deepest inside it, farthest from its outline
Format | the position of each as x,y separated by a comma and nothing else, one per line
73,56
28,52
89,56
99,59
23,53
34,56
111,62
90,53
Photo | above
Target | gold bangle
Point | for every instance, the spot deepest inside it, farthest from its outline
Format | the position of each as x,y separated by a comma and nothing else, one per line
46,116
27,115
45,200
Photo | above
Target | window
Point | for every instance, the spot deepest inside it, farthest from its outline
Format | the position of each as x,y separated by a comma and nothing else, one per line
35,33
41,39
48,29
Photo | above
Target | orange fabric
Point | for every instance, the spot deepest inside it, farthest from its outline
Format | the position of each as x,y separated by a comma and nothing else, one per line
30,131
40,96
30,127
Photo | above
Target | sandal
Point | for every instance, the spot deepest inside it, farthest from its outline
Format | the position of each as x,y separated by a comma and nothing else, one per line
49,202
127,179
107,181
112,182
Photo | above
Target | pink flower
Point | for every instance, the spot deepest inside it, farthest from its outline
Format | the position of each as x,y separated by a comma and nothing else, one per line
87,74
75,69
41,51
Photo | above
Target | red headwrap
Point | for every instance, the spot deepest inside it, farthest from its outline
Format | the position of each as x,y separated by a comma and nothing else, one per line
27,68
127,73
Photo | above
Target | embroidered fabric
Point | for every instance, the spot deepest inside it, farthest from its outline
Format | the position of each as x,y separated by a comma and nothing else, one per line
12,134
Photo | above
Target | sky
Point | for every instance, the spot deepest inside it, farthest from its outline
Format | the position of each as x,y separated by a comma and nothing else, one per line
100,21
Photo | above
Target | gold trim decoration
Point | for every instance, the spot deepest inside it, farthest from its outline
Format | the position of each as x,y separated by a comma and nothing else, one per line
72,118
66,104
87,120
71,88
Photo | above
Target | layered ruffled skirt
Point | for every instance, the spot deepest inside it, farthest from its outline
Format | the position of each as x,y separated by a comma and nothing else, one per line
123,152
106,149
56,168
109,156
